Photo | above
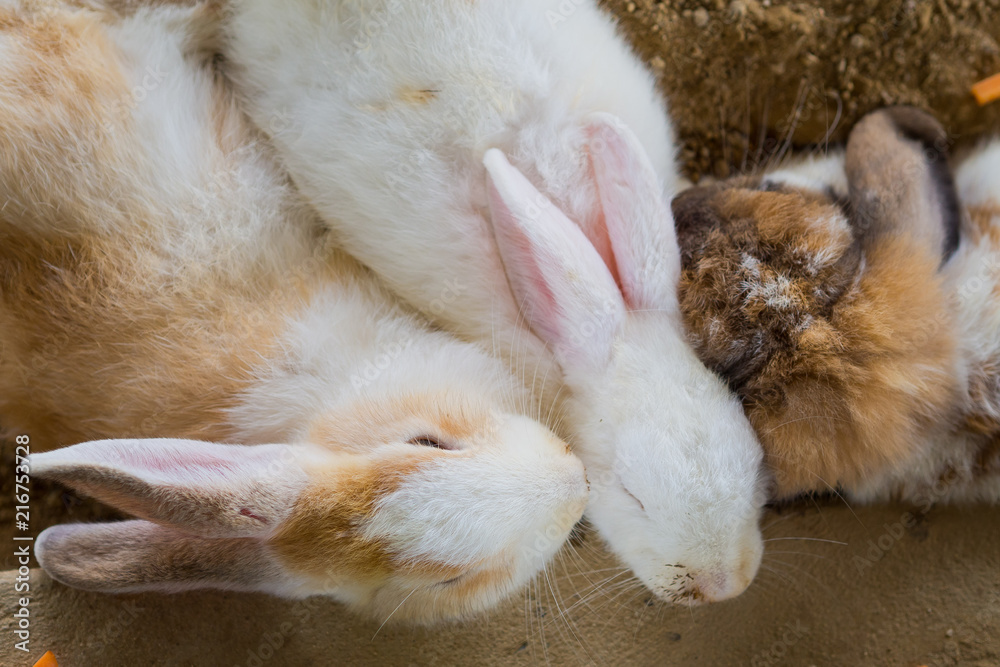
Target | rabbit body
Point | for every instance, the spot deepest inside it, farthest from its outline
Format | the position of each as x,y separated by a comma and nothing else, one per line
383,110
160,276
959,461
389,115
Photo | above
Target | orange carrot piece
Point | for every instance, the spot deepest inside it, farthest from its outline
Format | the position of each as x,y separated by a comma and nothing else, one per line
987,90
47,660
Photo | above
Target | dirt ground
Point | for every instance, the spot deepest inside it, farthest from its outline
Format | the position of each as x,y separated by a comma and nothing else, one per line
746,81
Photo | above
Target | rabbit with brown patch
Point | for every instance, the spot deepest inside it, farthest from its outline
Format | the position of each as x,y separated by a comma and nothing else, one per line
824,293
159,276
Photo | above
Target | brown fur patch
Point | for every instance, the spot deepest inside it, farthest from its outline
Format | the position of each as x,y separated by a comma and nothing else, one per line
324,536
334,512
891,155
983,227
61,86
984,398
840,363
417,96
99,343
988,460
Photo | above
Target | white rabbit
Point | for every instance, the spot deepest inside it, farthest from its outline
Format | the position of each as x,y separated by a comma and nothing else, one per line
384,112
160,276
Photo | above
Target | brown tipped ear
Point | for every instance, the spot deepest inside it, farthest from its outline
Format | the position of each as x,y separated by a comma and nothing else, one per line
134,556
900,180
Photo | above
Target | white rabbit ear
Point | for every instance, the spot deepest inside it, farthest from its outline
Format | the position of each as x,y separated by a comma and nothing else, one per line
133,556
199,488
573,301
639,222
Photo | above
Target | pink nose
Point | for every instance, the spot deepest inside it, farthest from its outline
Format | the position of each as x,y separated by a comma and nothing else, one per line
716,587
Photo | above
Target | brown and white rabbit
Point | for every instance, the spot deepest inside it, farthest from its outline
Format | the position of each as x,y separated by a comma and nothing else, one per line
816,292
159,276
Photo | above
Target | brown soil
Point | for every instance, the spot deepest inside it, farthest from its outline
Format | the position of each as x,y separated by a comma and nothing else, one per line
746,78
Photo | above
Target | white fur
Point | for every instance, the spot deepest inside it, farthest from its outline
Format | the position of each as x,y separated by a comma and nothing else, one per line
819,172
383,111
230,216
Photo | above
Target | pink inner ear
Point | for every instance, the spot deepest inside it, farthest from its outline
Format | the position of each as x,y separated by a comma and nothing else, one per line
525,276
171,456
186,461
576,305
597,234
634,211
614,171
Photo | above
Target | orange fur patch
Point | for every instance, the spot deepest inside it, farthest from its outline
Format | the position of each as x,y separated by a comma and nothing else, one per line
881,375
96,346
334,511
406,417
417,96
324,537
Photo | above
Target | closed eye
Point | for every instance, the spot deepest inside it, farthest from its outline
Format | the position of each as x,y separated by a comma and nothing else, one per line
428,441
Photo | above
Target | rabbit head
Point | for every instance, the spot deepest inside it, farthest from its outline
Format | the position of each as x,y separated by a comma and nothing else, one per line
674,465
430,515
816,293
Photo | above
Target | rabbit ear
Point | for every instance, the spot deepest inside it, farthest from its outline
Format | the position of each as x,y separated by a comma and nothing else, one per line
133,556
900,181
199,488
574,303
639,222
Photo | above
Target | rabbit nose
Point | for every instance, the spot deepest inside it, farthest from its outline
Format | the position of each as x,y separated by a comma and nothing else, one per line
717,587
